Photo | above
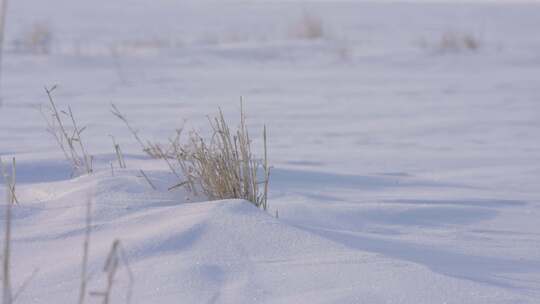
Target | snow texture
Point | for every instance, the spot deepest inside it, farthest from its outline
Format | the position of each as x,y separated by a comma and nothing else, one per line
406,168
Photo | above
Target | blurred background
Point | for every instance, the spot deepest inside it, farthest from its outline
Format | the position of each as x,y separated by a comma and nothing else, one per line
442,90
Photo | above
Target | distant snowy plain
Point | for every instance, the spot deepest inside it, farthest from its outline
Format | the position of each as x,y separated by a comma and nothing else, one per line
403,172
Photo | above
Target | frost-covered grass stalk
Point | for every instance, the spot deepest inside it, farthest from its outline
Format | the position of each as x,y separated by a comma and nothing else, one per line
116,256
86,249
7,294
63,126
119,154
10,181
149,148
7,297
148,180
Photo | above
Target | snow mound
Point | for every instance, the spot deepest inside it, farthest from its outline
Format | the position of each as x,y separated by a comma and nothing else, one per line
203,252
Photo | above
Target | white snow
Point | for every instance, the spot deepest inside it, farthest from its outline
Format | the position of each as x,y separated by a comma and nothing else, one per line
403,173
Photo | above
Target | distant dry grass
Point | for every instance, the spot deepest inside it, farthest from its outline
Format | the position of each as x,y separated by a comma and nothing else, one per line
36,40
453,42
308,27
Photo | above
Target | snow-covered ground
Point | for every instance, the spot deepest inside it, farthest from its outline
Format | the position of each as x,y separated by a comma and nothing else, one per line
405,170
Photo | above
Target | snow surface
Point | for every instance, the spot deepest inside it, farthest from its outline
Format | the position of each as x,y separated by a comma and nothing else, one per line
403,173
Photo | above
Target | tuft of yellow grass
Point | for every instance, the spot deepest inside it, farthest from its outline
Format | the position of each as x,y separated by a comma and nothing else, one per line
220,167
224,167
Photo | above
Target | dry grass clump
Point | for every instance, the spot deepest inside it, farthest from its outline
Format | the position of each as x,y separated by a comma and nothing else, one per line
453,42
224,167
308,27
63,126
220,167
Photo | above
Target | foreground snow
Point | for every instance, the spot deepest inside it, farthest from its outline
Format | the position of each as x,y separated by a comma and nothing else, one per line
402,173
231,252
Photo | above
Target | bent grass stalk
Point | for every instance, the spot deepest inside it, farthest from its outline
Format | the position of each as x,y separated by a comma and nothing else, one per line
86,249
148,180
148,148
116,256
